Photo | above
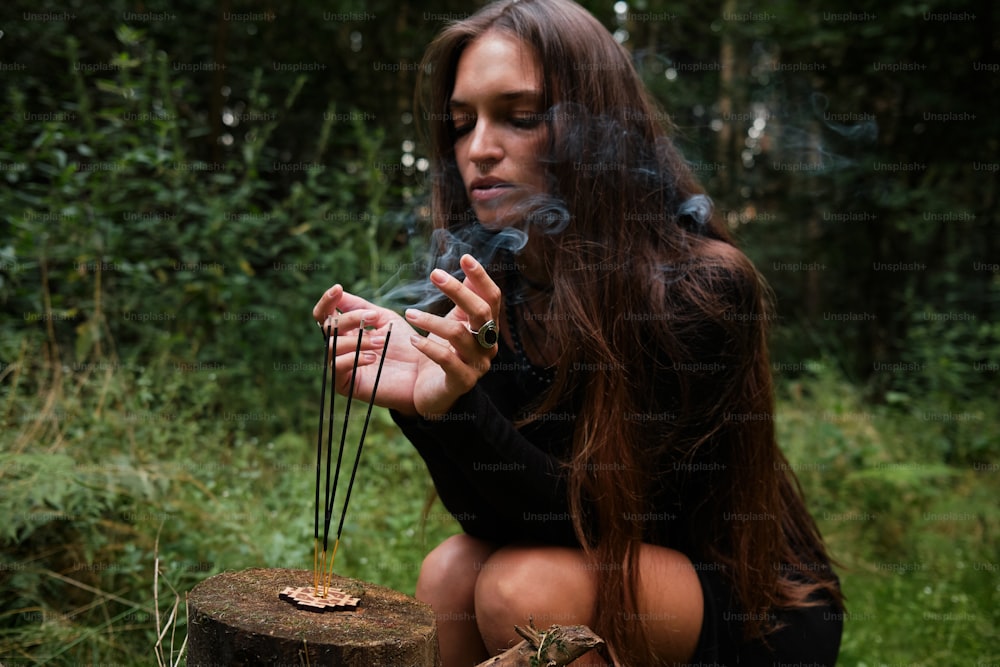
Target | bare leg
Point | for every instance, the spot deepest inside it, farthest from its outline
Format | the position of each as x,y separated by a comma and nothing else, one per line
556,585
448,583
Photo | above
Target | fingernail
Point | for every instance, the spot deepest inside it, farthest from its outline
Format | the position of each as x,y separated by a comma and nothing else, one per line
412,314
377,340
416,340
439,277
369,356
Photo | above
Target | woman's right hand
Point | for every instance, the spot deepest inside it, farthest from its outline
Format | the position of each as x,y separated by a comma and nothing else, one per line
399,370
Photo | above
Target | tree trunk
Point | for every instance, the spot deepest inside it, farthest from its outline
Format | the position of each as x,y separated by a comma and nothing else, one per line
727,77
236,618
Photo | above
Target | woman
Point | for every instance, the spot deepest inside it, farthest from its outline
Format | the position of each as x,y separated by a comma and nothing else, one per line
595,409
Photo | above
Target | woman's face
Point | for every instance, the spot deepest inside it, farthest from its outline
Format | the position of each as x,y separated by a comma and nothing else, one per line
497,113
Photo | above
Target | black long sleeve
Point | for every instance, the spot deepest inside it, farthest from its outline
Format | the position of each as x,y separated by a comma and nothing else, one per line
502,483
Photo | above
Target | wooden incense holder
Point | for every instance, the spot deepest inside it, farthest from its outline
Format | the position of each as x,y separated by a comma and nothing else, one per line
237,618
308,598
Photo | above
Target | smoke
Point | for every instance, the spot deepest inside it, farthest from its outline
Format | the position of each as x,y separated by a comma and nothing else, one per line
493,248
698,208
863,129
818,141
804,150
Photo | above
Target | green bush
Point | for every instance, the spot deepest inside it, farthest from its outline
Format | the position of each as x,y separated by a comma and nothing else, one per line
121,240
159,378
913,531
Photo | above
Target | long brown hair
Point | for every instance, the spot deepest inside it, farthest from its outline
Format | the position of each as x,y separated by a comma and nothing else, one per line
661,327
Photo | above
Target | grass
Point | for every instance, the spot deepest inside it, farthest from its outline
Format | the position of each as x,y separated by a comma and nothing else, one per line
107,467
916,537
92,477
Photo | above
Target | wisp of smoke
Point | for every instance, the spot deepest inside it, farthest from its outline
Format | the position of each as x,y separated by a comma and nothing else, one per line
698,208
864,130
411,286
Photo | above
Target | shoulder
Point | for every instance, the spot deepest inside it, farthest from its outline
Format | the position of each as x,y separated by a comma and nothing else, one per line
716,304
711,278
723,261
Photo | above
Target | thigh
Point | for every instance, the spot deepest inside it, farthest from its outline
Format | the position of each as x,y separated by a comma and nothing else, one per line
559,585
671,602
550,585
449,572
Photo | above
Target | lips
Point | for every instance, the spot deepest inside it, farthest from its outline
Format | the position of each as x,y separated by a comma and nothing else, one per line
485,189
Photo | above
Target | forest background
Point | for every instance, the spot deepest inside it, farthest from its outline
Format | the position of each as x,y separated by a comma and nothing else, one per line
182,180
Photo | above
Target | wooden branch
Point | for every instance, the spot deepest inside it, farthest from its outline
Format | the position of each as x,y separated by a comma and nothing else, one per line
559,645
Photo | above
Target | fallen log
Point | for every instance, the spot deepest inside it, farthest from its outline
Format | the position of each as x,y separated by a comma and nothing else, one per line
557,646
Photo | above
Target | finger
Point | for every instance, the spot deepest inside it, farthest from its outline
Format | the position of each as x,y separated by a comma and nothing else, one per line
335,301
351,302
478,279
345,367
327,304
350,321
342,334
347,342
477,310
456,332
459,375
345,362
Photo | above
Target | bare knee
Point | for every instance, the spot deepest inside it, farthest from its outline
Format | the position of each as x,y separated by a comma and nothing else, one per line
670,602
448,573
447,583
548,585
552,585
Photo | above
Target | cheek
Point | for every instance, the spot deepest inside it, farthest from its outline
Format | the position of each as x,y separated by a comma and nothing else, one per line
461,151
462,160
534,156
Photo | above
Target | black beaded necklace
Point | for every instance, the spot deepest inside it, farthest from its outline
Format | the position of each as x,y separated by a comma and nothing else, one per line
541,375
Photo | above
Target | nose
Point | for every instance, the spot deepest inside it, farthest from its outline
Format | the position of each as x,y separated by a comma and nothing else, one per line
484,145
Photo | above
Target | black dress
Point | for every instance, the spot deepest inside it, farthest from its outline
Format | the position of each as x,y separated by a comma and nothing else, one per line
506,485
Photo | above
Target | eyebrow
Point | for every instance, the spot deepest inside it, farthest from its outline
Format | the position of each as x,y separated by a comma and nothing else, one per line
531,94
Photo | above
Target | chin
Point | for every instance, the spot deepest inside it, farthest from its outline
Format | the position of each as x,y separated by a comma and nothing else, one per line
501,215
494,218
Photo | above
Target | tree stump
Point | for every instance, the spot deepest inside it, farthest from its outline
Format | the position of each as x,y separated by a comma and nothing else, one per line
237,618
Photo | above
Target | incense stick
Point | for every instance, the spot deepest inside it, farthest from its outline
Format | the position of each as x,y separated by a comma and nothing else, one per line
319,453
357,456
330,496
322,574
331,493
347,416
327,500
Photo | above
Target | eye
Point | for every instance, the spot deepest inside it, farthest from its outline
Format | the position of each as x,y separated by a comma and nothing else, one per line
462,123
527,120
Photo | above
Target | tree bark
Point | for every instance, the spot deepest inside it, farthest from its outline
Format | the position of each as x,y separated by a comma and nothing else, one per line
236,618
